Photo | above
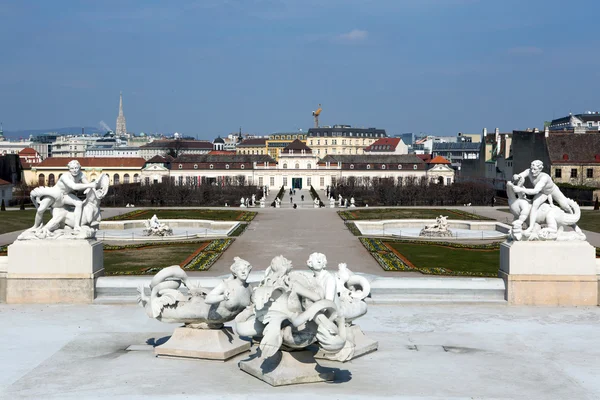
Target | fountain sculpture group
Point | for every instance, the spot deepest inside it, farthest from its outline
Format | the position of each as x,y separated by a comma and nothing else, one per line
156,228
294,316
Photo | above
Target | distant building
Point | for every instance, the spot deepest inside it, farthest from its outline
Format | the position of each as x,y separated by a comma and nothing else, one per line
8,147
175,147
456,153
578,123
29,156
119,170
387,146
107,150
254,146
342,139
280,140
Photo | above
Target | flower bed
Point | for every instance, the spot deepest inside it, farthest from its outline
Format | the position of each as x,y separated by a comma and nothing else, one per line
353,229
391,260
241,228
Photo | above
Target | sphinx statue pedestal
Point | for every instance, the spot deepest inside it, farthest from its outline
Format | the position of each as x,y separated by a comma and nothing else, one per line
355,336
287,368
53,271
211,344
549,273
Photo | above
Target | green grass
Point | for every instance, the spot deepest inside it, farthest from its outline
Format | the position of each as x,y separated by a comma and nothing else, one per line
408,213
239,230
18,220
147,260
427,256
215,215
590,220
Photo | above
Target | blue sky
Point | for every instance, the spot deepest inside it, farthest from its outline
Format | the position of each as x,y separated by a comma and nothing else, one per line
207,67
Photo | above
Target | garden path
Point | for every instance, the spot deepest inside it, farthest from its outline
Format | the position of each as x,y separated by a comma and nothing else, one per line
296,234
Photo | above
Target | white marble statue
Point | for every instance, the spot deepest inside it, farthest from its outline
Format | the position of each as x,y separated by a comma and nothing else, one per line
348,291
550,220
262,202
331,202
242,202
439,229
253,202
199,308
72,218
340,200
352,205
290,312
277,202
156,228
316,202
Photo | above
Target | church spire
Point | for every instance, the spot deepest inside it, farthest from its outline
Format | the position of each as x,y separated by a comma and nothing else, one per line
121,126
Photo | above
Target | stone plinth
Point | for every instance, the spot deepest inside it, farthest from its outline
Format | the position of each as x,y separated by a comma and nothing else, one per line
211,344
287,368
361,343
53,271
549,273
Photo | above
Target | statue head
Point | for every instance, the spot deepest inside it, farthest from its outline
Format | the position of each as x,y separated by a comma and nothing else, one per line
278,268
536,167
317,261
74,167
240,268
343,272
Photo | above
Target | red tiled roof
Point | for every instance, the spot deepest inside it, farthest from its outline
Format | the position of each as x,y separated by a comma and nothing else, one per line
3,182
424,157
28,151
439,160
221,153
86,162
385,142
253,142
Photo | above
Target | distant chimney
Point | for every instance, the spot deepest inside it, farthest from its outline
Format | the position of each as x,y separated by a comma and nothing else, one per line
497,131
536,130
484,131
546,131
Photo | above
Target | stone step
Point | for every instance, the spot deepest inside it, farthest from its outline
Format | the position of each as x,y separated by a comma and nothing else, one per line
384,290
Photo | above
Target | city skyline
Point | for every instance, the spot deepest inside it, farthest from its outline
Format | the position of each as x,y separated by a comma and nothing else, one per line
205,68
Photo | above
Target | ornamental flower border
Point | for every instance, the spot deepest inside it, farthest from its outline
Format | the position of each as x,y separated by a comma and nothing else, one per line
201,260
389,260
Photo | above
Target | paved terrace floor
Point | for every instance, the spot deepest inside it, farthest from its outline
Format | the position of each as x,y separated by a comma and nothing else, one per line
425,352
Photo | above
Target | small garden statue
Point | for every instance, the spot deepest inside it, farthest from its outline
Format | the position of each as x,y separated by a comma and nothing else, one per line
331,202
352,205
253,202
316,202
242,202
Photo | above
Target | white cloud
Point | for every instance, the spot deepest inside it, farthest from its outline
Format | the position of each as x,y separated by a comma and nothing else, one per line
526,50
354,36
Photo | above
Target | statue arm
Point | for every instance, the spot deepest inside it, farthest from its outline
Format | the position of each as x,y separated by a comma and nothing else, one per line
217,295
538,187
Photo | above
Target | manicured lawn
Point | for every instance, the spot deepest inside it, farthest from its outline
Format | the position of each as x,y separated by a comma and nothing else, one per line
408,213
215,215
18,220
590,220
147,260
455,259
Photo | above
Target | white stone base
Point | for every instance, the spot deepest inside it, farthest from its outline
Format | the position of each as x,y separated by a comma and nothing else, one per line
53,271
287,368
549,273
210,344
362,345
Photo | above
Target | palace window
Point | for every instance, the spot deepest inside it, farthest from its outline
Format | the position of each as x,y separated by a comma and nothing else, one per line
297,166
272,181
308,181
285,181
242,166
180,180
116,180
322,181
211,166
308,166
126,178
415,166
558,173
195,166
284,166
573,172
368,166
590,173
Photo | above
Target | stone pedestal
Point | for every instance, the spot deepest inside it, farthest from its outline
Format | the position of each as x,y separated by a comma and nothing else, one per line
549,273
362,345
287,368
210,344
53,271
